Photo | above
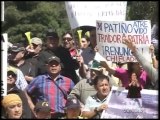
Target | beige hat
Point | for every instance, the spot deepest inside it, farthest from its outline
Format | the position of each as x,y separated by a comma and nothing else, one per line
36,41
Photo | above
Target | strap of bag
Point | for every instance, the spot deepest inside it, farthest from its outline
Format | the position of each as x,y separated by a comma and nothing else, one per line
65,95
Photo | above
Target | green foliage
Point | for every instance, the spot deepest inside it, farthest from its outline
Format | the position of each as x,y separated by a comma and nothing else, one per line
36,17
146,10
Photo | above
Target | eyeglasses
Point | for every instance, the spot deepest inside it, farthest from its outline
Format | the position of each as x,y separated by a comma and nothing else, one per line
67,38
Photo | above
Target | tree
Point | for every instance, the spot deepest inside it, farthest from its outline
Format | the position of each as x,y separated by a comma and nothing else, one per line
36,17
146,10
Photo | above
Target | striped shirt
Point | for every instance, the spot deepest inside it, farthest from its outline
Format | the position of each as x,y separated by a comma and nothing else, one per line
44,89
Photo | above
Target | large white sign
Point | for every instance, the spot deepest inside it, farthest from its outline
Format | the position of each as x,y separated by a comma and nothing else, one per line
86,13
119,106
110,36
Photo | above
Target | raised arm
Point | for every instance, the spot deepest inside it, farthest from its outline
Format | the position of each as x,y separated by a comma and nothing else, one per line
154,60
147,66
106,66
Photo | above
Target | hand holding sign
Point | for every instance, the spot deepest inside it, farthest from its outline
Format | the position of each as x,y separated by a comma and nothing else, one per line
102,107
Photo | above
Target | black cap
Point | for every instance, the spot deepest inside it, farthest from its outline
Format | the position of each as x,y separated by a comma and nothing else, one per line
52,34
72,102
17,47
42,106
54,58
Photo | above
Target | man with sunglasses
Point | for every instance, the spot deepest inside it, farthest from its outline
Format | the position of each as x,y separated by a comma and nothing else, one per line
53,48
70,45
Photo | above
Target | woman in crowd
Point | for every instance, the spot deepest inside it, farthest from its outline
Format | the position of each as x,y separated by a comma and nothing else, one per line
134,87
12,104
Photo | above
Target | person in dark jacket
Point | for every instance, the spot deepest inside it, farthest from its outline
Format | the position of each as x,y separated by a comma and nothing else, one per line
54,49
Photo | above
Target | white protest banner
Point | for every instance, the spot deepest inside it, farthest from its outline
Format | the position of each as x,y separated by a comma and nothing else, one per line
110,36
4,49
119,106
86,13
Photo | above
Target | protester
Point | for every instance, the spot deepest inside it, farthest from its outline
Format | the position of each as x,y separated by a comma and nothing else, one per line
85,42
18,60
124,74
134,87
95,104
12,104
33,53
42,110
53,48
20,83
69,44
72,108
85,87
89,53
12,89
148,67
51,87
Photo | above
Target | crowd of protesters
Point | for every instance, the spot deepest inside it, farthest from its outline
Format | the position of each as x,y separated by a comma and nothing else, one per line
66,82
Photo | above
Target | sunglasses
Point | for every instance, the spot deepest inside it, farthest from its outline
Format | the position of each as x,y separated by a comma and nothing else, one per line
67,38
34,45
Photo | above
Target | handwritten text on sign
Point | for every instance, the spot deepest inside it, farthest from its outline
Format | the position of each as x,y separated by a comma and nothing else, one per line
110,36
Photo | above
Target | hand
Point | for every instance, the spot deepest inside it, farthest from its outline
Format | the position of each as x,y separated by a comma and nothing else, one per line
96,49
29,48
102,107
129,44
80,59
133,83
151,49
137,84
130,84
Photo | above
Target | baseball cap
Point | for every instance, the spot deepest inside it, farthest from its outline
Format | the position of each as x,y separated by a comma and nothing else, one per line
42,106
54,58
95,65
17,47
72,102
36,41
52,34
